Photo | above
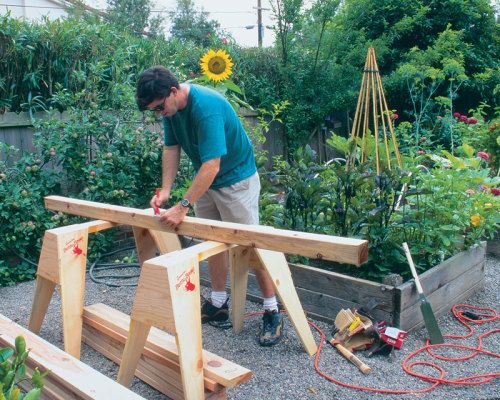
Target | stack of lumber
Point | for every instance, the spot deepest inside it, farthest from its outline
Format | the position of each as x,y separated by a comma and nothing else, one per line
106,330
69,378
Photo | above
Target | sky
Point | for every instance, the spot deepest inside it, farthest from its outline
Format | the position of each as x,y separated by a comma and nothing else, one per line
232,15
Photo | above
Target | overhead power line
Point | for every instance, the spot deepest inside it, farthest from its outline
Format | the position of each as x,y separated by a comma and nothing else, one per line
104,9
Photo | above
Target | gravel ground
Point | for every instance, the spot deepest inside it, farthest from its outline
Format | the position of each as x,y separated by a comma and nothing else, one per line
285,371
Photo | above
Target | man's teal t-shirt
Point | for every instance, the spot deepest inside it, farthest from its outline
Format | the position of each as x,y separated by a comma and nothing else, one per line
208,128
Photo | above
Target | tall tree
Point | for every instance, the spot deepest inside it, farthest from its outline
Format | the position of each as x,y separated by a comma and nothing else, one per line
192,24
288,17
132,15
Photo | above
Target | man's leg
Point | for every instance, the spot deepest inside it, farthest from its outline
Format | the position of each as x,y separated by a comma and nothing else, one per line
265,283
240,203
215,309
218,267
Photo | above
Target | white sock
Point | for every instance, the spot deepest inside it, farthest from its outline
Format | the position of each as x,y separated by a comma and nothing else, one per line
218,298
271,304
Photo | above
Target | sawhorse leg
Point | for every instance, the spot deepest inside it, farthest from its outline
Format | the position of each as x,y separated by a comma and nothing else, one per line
238,260
148,242
44,290
277,267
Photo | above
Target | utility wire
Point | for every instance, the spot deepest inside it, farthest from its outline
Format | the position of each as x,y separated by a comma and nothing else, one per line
104,9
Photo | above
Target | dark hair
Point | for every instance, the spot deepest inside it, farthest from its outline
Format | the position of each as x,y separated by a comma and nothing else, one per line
153,84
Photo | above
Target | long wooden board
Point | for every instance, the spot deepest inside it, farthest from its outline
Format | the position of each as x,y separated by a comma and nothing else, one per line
216,369
153,369
345,250
69,378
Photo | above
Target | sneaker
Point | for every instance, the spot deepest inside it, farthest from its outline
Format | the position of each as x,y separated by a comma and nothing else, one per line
216,316
272,328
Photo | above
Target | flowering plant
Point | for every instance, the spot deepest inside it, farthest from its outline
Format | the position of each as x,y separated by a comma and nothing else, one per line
216,66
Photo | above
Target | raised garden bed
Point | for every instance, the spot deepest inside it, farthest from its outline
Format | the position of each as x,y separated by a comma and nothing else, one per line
324,293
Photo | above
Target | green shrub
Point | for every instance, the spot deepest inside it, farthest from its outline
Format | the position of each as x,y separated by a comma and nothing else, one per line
448,207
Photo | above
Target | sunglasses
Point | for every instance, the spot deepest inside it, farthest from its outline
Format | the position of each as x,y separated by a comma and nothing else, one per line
159,107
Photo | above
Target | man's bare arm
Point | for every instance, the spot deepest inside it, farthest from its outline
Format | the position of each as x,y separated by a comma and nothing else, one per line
201,183
171,156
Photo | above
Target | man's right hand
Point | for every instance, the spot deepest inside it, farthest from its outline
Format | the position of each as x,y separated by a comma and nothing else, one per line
157,200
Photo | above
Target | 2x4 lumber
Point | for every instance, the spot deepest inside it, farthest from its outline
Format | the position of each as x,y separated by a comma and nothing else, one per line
184,284
154,374
44,290
72,281
238,260
215,369
76,379
334,248
151,369
97,226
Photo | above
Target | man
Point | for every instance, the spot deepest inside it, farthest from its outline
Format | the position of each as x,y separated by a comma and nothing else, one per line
226,186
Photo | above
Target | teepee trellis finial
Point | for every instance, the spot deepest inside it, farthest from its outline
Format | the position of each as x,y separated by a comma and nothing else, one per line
372,103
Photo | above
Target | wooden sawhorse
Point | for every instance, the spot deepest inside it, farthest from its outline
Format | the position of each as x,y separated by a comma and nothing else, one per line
63,262
168,297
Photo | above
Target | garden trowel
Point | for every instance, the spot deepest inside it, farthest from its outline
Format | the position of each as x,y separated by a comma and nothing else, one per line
429,318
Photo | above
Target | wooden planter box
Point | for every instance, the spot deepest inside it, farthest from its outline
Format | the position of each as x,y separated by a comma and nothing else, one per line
324,293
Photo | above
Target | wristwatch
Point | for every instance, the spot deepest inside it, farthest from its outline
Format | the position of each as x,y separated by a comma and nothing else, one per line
185,203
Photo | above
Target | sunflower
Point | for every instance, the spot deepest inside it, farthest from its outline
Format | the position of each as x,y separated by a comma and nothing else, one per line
216,65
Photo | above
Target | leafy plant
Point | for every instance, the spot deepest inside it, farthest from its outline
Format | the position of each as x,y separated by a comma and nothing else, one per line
440,204
301,191
23,219
13,372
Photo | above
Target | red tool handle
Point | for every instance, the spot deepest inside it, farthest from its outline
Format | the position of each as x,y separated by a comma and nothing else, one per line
157,210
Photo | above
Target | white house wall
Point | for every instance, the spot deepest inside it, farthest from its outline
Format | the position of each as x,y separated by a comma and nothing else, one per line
33,9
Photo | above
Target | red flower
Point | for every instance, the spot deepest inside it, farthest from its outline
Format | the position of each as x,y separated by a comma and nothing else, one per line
394,116
420,152
423,139
472,120
456,114
463,118
483,155
495,191
224,40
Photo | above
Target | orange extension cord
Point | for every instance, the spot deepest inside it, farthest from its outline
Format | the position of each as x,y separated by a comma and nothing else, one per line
486,314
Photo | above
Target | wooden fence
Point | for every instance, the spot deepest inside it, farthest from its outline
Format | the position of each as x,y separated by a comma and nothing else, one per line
17,130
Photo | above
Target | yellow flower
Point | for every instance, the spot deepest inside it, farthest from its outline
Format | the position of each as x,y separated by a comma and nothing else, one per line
216,65
487,206
475,219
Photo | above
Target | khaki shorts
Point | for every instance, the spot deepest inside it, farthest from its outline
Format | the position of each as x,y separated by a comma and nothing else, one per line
236,203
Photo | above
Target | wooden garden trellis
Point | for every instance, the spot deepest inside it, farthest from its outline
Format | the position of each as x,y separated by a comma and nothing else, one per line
372,103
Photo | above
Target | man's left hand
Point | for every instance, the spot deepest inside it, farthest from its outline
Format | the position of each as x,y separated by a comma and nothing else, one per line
174,215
